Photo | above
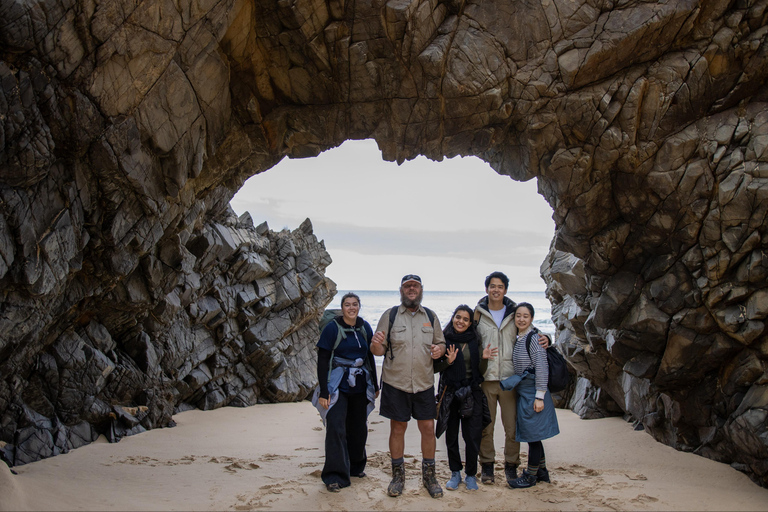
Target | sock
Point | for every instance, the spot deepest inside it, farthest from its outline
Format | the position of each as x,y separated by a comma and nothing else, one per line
543,463
428,462
398,462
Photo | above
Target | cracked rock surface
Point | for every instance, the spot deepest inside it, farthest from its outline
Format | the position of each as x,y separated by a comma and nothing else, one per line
130,290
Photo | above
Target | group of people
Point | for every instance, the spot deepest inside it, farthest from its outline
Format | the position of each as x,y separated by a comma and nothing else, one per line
490,358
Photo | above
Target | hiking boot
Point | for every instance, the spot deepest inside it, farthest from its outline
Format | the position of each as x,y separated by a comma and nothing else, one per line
525,480
398,480
471,483
542,475
510,471
486,473
429,480
454,482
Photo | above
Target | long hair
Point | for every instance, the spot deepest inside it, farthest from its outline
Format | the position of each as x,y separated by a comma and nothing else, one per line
463,307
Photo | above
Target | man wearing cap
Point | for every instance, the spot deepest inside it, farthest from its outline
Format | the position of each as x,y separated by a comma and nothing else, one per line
415,339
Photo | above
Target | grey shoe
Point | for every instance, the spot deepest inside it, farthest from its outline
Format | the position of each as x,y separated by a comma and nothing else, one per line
510,471
398,480
486,473
430,481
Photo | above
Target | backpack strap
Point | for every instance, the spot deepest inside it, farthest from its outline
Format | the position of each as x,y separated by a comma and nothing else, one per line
392,315
528,338
476,318
340,335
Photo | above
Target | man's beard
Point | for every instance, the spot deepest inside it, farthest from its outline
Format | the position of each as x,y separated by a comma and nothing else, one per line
408,303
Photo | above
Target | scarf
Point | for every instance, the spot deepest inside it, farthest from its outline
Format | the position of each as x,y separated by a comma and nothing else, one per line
456,373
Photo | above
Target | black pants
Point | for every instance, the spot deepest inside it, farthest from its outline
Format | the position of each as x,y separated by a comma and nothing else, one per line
535,453
345,436
471,431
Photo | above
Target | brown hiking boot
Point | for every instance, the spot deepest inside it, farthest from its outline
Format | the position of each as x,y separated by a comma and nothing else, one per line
486,473
398,480
430,481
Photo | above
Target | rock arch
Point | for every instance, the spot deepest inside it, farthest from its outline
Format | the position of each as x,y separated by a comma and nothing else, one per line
130,289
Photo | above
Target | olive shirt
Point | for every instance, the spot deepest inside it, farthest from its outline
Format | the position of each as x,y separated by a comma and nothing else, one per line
408,365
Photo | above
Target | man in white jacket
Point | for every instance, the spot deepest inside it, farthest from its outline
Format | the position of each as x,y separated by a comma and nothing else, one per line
495,317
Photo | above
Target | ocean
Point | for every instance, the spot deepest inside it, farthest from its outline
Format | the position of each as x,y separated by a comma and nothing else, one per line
375,302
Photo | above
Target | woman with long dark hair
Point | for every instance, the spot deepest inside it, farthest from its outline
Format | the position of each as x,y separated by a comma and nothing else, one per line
347,388
462,402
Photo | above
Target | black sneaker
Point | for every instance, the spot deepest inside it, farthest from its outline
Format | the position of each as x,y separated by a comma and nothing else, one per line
398,480
525,480
334,487
486,473
542,475
430,481
510,471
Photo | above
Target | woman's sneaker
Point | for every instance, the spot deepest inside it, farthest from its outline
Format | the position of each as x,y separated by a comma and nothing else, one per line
454,482
471,482
523,481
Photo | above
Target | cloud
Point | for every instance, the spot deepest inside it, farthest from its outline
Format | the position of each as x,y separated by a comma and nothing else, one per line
520,248
452,217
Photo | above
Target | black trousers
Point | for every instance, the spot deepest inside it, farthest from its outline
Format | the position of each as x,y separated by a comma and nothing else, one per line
471,431
345,436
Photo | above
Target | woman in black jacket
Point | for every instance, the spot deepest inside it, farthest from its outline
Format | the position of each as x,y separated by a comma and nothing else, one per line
461,401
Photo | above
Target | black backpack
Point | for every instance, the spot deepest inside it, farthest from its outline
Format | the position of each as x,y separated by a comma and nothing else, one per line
392,315
559,376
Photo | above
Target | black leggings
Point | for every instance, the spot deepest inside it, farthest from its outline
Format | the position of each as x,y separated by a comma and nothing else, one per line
535,453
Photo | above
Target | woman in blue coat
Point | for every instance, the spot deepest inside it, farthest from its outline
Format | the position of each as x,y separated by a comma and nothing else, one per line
536,417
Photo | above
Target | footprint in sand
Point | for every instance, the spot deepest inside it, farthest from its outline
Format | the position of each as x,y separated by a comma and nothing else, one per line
317,429
309,464
232,468
376,422
275,456
636,477
233,464
643,498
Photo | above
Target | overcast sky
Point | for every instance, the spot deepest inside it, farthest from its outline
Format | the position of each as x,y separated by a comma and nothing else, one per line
452,222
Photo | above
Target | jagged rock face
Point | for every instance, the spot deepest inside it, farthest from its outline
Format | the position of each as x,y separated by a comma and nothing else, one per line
127,126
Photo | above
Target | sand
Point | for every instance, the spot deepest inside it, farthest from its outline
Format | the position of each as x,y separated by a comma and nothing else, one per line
270,457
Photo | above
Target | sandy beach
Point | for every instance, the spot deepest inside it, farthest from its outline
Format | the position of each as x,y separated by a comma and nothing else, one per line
270,457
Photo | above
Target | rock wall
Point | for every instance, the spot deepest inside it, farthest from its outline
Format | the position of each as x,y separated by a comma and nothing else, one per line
127,126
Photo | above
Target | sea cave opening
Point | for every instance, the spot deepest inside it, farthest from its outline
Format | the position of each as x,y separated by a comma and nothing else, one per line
453,222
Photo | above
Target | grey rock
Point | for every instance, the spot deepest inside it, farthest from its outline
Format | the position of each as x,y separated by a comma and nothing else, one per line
127,279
